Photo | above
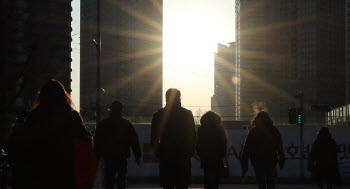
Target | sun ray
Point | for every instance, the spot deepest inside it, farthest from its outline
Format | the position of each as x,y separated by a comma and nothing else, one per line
134,55
150,93
150,36
157,5
138,15
267,86
135,76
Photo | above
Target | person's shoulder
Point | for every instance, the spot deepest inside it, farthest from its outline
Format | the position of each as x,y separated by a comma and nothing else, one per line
125,121
158,112
185,110
333,142
74,114
253,130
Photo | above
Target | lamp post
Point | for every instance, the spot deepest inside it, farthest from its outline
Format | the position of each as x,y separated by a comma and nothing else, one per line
98,62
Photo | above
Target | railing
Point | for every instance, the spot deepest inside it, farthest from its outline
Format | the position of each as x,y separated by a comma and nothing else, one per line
327,120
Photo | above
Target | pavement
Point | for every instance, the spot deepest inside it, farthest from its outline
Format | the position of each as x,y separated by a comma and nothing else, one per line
241,186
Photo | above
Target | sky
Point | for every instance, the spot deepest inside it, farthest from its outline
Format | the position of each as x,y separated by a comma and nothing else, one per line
191,31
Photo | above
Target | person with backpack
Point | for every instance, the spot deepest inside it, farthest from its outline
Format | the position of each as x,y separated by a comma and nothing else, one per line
113,139
263,147
211,148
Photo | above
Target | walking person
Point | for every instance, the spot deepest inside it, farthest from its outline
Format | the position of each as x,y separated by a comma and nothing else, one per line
113,139
173,138
263,147
41,151
211,146
323,159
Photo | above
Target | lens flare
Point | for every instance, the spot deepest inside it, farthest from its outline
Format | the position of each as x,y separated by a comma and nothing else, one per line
235,80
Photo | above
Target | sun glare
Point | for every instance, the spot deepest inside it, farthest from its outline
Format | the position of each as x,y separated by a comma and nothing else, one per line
189,45
191,32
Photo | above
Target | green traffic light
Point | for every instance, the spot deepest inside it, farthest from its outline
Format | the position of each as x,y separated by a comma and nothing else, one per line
299,118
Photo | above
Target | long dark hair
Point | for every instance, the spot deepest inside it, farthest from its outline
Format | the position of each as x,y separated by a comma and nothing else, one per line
53,96
262,120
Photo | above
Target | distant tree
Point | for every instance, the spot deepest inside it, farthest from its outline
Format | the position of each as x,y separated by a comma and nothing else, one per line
198,115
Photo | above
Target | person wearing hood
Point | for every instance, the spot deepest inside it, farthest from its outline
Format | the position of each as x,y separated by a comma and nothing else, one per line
263,147
211,148
173,139
323,159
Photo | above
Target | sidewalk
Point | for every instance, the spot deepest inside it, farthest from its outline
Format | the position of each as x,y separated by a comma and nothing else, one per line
239,186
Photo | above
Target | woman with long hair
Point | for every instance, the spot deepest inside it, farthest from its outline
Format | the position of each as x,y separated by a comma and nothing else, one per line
323,159
41,149
211,148
263,147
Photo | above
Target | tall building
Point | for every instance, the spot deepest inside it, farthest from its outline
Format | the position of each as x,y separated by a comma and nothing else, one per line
347,50
223,99
131,55
36,47
289,53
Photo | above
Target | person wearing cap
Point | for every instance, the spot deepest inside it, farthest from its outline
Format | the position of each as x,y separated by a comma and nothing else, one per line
173,138
113,138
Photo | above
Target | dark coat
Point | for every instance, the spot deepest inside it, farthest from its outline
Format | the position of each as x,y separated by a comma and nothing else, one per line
323,160
211,146
173,138
41,150
263,146
114,137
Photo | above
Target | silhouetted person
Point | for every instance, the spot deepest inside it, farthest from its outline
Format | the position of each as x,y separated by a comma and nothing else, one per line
173,138
263,147
41,149
323,160
211,147
113,139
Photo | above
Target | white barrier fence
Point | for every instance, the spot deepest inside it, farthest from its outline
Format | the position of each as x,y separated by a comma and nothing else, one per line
236,137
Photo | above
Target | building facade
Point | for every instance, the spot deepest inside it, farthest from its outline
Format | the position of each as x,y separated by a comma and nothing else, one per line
36,48
223,100
290,54
347,49
131,56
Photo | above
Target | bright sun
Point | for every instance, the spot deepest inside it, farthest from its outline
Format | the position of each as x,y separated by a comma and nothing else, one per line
189,43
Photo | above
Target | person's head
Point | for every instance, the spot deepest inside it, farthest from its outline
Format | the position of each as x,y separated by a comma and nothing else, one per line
324,133
173,97
210,118
53,95
262,119
116,108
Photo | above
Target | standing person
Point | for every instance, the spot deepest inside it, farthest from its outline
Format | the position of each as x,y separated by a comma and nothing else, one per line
113,139
41,150
173,138
323,159
263,147
211,148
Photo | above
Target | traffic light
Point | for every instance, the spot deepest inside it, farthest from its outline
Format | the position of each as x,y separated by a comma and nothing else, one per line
299,119
292,115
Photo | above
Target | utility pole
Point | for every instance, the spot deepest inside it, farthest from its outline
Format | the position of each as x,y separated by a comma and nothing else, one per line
300,120
98,61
